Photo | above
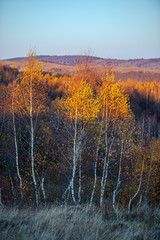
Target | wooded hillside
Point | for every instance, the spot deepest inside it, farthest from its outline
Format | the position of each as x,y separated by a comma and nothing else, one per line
77,138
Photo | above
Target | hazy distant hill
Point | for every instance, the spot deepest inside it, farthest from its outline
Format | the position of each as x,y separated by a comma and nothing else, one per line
65,60
153,63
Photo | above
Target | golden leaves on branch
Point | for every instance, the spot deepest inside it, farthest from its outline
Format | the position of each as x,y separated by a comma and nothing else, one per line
84,104
80,101
113,99
31,88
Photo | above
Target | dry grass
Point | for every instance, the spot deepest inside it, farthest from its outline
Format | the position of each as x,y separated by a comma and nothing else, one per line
47,66
70,223
63,68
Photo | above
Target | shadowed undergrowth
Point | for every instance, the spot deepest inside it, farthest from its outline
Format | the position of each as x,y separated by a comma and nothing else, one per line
83,223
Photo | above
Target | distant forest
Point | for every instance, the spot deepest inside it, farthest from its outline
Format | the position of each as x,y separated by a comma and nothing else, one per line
84,137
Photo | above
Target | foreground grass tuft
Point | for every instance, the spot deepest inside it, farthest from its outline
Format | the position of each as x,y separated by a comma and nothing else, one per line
83,223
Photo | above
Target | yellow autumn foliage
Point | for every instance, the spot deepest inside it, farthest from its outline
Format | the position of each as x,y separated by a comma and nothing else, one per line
80,101
113,100
30,88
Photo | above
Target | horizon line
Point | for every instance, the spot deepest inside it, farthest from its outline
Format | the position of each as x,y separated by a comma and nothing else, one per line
81,55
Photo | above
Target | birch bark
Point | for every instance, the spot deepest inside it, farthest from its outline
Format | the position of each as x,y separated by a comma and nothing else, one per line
16,152
118,181
71,184
32,143
139,186
95,167
80,180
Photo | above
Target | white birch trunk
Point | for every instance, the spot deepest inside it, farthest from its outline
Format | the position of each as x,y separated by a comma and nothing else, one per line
140,200
103,184
105,168
32,143
95,168
43,189
74,158
80,180
106,160
71,184
118,181
16,151
66,191
139,186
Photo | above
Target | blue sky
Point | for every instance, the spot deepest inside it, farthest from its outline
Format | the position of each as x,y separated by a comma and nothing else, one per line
107,28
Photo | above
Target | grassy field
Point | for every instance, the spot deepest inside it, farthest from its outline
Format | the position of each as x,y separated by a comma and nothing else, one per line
64,68
83,223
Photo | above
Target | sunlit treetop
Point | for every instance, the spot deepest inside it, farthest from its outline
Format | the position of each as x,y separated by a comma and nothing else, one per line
80,101
30,91
112,99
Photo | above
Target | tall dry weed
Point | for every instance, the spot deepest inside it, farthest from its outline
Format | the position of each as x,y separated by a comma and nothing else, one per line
78,223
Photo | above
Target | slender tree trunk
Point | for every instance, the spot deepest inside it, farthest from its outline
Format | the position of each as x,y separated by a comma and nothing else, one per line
41,181
71,184
139,186
74,158
43,189
16,150
140,200
105,168
80,180
106,160
103,184
32,143
95,167
66,191
118,181
12,187
33,162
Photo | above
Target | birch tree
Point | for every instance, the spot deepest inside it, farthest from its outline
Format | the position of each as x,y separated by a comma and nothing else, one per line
16,144
119,178
95,165
139,186
114,107
31,100
80,106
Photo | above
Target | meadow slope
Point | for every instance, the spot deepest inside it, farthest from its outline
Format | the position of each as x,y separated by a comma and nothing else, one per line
83,223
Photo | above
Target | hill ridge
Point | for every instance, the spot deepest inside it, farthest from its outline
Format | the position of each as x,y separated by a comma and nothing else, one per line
151,63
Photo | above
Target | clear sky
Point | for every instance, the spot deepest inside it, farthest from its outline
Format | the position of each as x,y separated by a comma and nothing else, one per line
106,28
